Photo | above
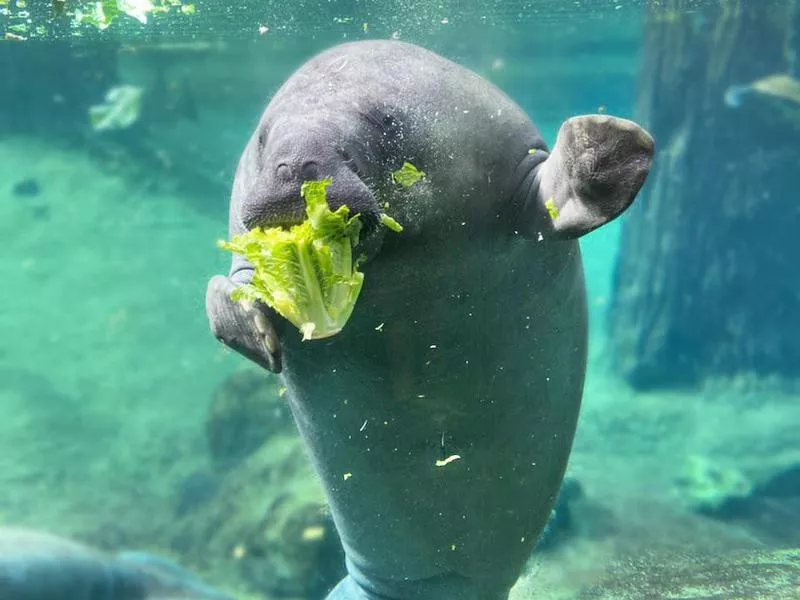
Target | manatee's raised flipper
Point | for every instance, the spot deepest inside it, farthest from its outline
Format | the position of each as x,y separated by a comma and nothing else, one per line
597,167
244,327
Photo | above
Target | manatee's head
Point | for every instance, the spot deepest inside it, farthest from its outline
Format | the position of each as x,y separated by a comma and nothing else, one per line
285,153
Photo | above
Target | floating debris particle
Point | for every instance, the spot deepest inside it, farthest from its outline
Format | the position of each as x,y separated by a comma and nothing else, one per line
138,9
363,425
281,391
446,461
239,552
379,327
391,223
407,175
262,29
551,208
120,110
313,533
365,27
533,151
347,476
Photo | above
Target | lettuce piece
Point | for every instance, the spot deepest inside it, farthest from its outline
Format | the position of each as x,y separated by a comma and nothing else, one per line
391,223
306,273
407,175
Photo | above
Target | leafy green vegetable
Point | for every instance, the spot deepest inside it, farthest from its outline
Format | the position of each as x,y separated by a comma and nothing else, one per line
407,175
307,273
101,13
391,223
552,209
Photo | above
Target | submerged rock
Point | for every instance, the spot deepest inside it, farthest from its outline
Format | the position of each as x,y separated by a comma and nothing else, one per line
267,527
245,411
27,188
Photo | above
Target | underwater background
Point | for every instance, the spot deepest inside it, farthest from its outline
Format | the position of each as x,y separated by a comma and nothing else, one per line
125,425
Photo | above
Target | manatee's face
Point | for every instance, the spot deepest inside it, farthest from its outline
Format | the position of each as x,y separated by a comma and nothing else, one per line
287,153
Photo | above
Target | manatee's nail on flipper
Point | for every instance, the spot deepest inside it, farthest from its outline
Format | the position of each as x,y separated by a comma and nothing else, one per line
597,167
243,327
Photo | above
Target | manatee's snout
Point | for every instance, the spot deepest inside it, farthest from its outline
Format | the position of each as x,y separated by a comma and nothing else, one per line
292,156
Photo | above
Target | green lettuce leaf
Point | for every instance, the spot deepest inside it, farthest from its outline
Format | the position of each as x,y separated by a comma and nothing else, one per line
306,273
407,175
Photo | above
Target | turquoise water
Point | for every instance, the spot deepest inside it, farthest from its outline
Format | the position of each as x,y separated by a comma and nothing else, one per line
125,425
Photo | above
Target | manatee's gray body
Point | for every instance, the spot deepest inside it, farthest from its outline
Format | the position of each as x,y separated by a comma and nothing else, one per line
469,337
39,566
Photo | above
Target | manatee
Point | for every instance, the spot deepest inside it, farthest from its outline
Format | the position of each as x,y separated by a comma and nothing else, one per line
37,565
441,418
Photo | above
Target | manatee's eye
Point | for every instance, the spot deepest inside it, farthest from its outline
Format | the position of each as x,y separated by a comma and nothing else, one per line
310,171
283,172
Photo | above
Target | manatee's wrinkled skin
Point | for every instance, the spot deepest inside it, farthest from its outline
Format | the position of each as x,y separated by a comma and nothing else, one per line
39,566
469,337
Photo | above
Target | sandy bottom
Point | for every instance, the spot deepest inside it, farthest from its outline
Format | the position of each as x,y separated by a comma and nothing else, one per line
107,369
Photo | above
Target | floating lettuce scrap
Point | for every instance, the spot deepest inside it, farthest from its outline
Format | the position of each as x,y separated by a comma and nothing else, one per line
407,175
306,273
119,111
101,13
552,209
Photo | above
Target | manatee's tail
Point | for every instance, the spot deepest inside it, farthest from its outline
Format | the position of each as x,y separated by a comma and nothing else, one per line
167,578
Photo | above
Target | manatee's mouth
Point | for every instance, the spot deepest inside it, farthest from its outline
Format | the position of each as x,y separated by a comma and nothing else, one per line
287,214
295,213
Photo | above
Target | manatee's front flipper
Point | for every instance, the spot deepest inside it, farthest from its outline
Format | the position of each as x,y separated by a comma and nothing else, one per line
166,579
597,167
244,327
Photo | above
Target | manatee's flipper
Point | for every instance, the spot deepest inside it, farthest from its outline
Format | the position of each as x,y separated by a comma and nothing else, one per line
244,327
168,579
597,167
43,575
358,585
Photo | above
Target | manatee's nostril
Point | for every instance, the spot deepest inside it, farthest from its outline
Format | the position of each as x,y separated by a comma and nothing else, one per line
283,172
310,171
